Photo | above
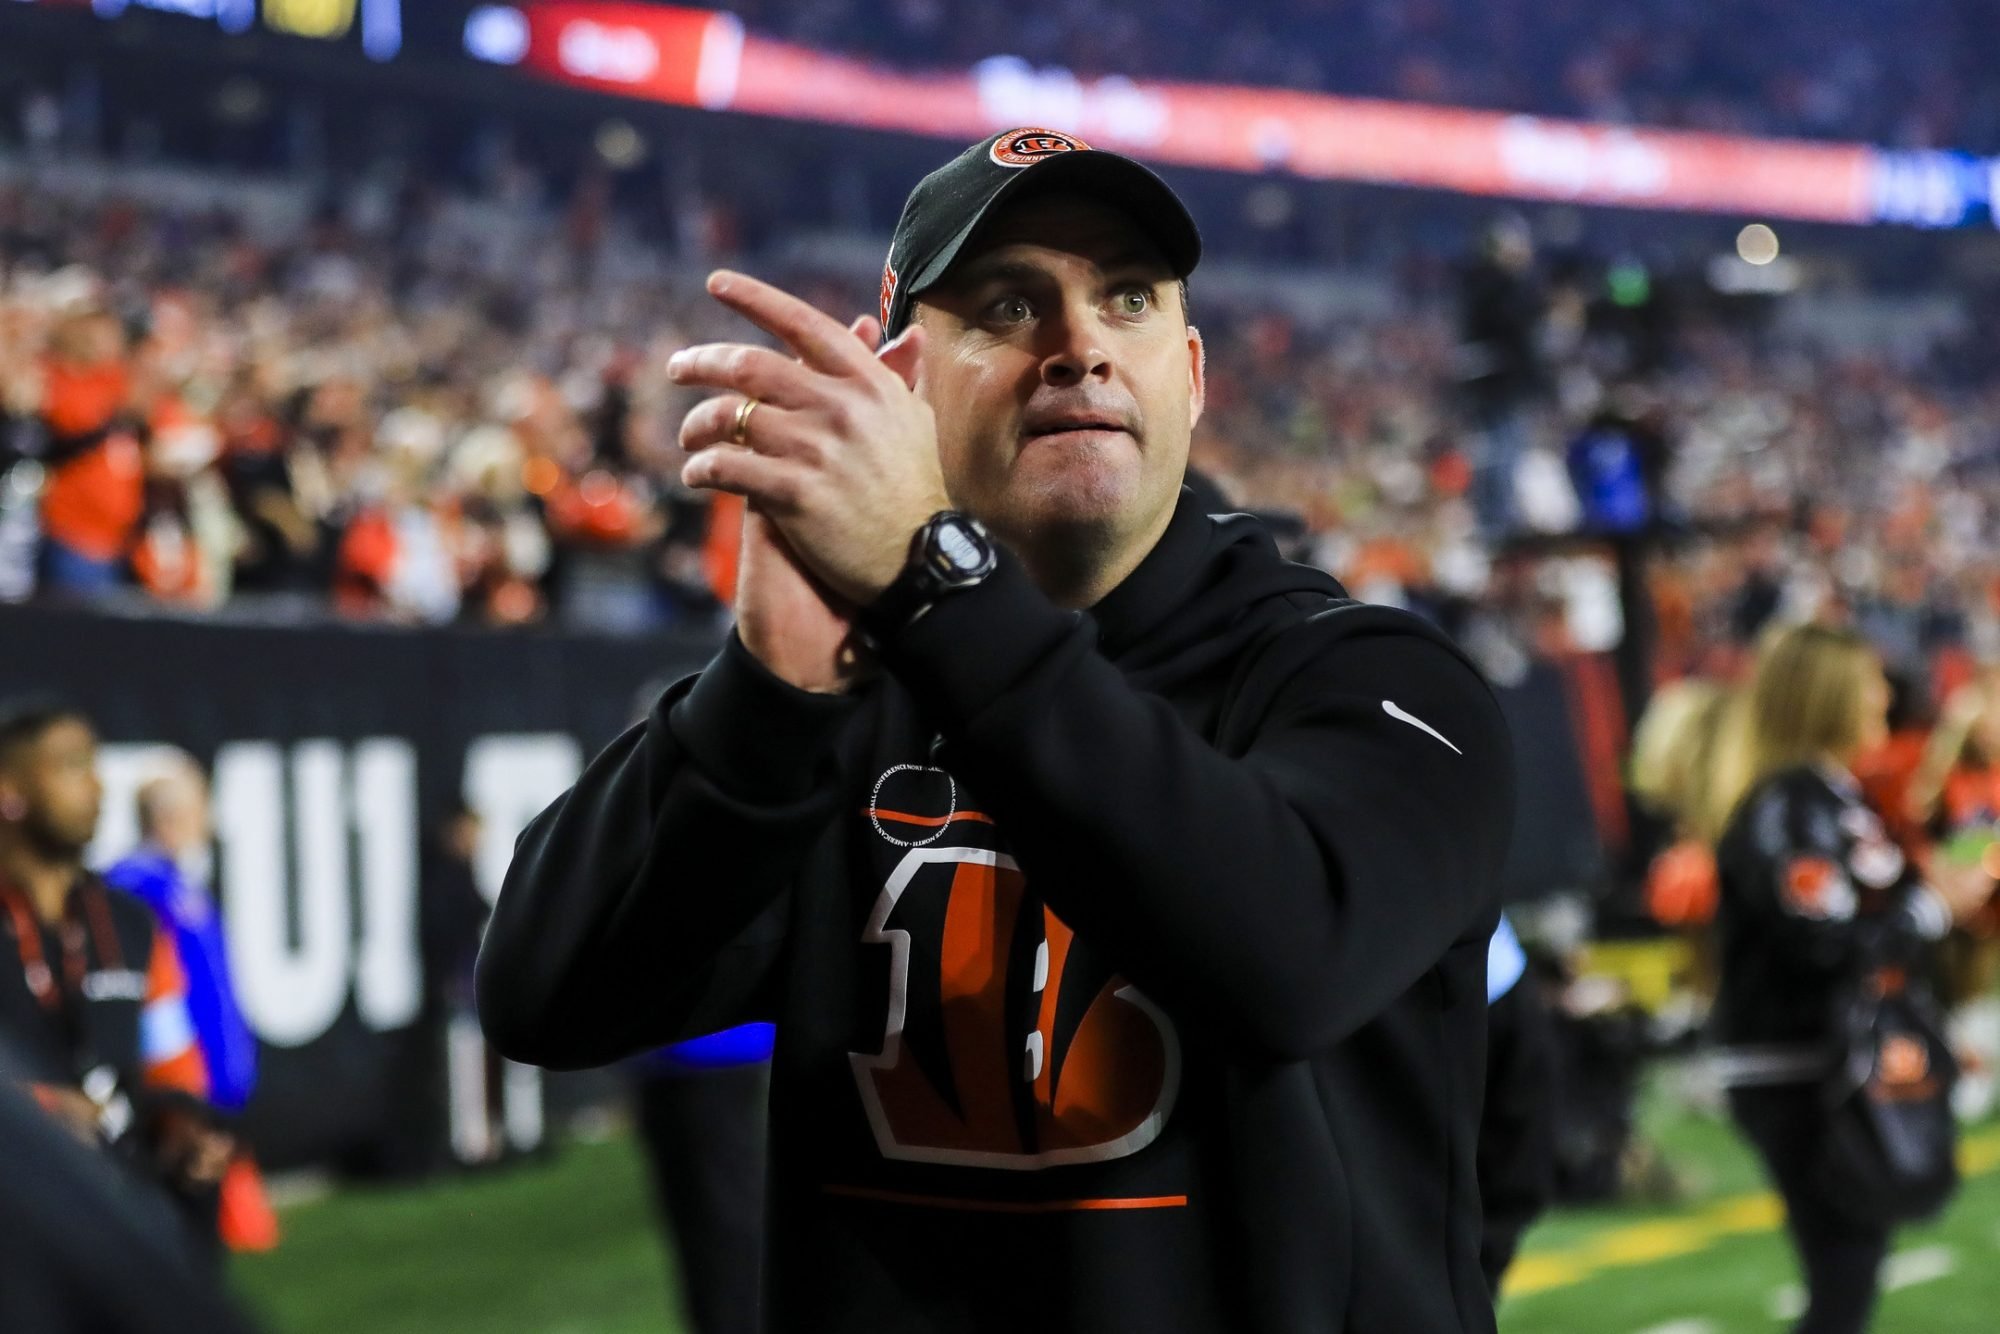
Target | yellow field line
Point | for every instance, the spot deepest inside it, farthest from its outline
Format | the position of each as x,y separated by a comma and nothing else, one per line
1668,1238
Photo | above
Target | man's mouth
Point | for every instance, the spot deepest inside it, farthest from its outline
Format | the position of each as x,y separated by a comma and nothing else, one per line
1074,426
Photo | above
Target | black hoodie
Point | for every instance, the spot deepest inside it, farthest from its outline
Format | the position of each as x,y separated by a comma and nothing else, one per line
1128,967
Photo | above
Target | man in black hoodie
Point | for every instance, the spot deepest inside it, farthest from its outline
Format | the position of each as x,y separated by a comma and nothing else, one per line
1120,892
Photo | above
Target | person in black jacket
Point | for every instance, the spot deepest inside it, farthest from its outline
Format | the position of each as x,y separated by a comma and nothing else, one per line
1119,891
83,1247
1806,871
93,994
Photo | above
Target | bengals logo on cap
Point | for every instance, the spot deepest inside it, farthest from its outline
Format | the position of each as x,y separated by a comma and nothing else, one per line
1026,147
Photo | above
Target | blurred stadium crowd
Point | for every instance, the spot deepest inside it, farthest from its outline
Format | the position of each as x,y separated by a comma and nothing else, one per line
436,409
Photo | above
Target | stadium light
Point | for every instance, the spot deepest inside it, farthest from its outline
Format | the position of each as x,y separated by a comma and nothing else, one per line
496,34
1757,244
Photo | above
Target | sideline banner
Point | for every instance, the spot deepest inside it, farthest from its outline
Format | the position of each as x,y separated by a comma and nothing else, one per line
334,752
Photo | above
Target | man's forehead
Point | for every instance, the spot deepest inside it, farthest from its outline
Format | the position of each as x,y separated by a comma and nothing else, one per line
1106,236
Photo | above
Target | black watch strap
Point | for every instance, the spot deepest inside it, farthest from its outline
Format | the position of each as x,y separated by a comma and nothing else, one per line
950,552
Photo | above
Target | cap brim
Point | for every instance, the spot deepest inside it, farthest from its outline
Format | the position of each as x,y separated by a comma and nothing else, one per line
1109,178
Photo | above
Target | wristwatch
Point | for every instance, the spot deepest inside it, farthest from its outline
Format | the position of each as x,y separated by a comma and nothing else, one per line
952,551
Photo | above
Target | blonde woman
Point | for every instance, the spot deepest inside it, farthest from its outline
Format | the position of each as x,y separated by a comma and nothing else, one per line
1810,885
1677,769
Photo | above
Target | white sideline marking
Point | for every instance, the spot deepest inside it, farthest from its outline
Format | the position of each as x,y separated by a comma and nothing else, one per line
1925,1264
1906,1269
1788,1302
1692,1325
1401,715
287,1190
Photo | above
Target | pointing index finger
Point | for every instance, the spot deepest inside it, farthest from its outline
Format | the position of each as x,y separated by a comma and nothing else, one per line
818,339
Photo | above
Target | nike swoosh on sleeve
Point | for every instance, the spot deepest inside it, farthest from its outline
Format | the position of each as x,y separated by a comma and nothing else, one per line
1401,715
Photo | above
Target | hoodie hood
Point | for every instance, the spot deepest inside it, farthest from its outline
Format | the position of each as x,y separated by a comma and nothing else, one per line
1211,583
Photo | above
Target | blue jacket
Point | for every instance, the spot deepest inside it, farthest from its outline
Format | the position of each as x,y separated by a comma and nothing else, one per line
746,1044
1506,961
227,1044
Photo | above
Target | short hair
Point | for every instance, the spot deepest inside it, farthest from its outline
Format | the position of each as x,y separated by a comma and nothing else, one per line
23,722
166,777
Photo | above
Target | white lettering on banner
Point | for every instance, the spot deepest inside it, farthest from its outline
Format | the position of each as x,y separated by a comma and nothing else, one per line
1555,159
509,779
1632,166
614,54
1548,157
1923,188
1013,92
388,973
288,914
721,62
290,993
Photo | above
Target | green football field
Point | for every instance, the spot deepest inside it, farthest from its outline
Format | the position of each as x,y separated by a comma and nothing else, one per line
567,1246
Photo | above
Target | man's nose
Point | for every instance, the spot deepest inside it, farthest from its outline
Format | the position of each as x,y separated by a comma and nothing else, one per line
1077,350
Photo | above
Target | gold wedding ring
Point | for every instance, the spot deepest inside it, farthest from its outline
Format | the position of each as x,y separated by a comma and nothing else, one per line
740,433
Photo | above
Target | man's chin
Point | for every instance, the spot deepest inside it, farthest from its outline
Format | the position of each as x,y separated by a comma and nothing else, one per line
1075,513
1086,494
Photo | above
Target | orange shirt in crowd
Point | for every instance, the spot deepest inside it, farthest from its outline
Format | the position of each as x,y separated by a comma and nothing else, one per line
596,508
722,547
1971,797
1885,774
365,562
168,563
1682,887
93,500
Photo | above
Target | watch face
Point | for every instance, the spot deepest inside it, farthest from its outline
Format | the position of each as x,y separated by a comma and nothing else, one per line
960,547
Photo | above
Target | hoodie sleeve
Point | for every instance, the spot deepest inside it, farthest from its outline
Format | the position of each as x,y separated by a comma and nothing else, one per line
1283,894
648,904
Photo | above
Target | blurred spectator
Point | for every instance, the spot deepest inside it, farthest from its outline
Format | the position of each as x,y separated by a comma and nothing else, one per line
96,487
699,1109
452,912
1500,363
1824,923
88,1249
451,917
168,872
94,998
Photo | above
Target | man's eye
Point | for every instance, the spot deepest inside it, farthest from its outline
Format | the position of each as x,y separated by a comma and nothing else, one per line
1134,301
1011,310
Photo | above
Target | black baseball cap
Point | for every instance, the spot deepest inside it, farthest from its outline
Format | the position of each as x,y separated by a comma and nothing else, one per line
944,212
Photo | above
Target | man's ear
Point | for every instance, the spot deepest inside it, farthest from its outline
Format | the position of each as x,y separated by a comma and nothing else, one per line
13,802
905,355
1197,374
